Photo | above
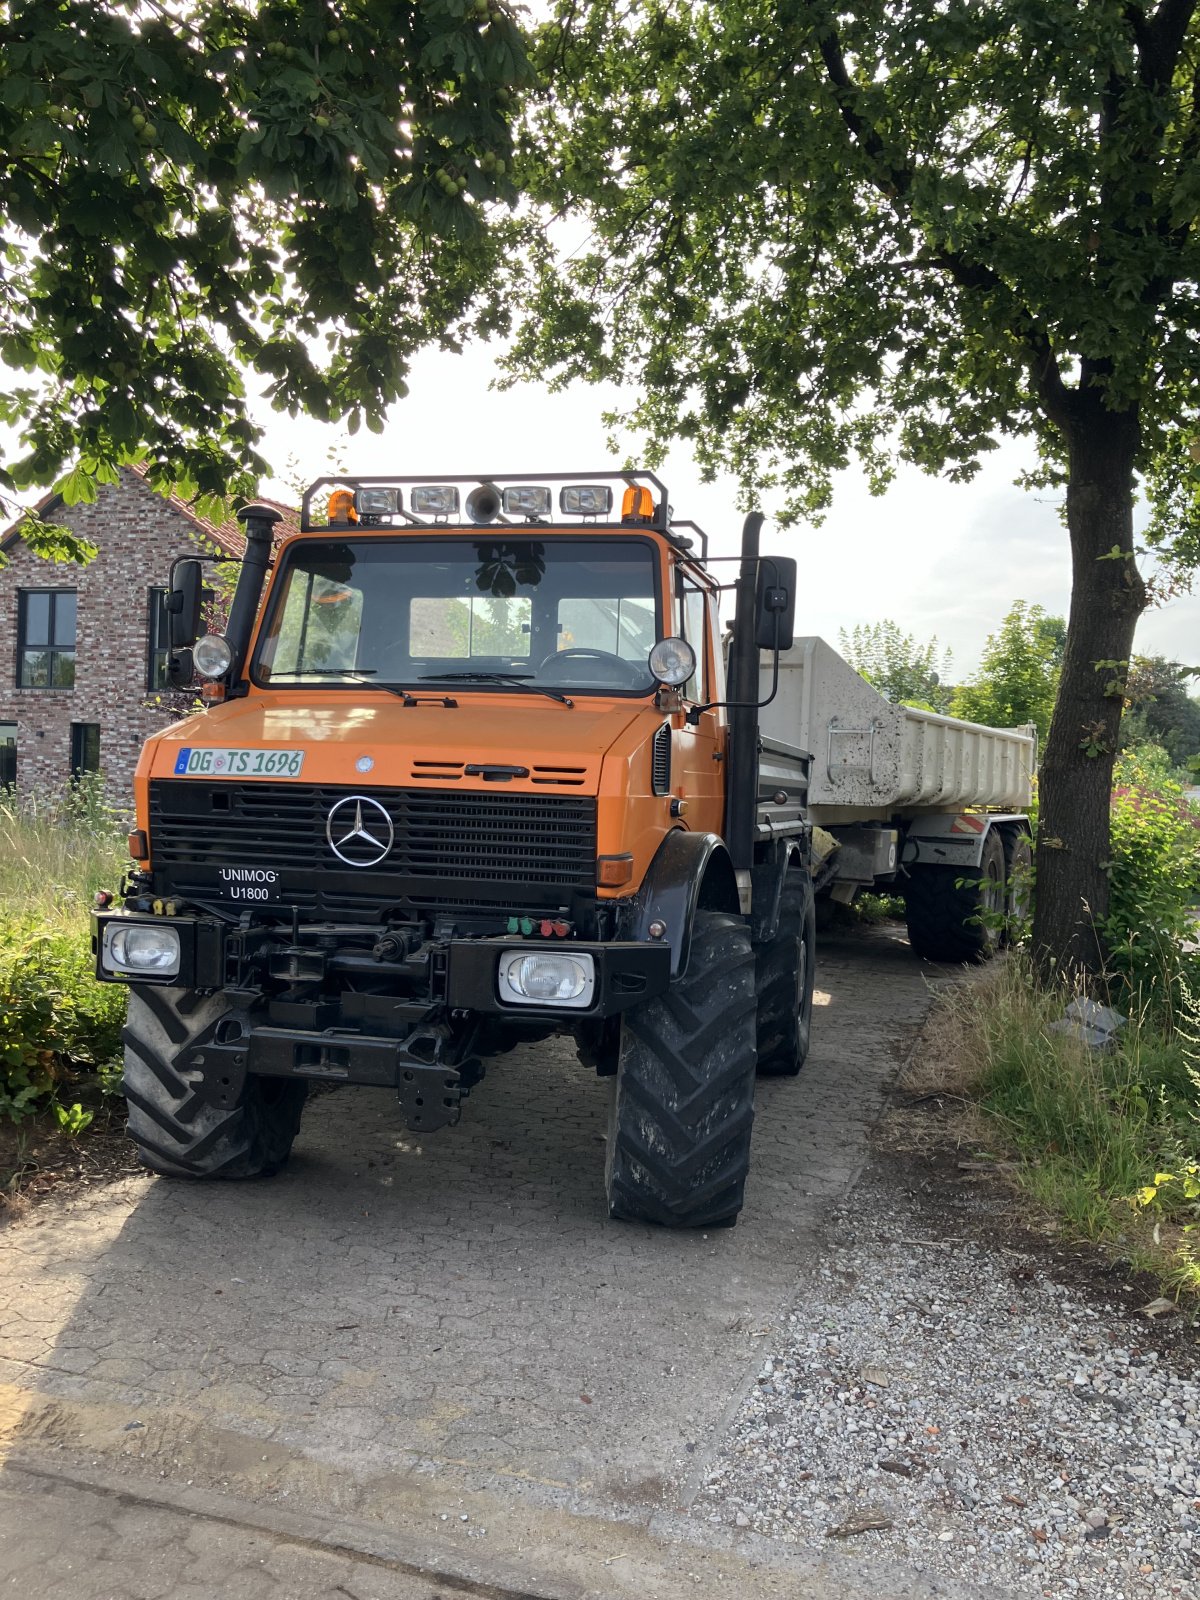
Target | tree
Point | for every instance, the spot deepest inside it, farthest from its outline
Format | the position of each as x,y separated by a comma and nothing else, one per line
907,672
1018,672
823,232
299,190
1160,711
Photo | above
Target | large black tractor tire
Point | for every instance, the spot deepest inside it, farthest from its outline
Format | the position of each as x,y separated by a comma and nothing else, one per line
957,913
177,1133
784,970
683,1096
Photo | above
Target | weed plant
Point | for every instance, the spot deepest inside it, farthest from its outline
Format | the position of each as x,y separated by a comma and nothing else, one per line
55,1019
1094,1128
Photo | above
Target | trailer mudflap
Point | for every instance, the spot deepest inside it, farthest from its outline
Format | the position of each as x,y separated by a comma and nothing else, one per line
429,1090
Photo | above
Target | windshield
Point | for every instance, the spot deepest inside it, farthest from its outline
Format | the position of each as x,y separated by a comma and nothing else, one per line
575,613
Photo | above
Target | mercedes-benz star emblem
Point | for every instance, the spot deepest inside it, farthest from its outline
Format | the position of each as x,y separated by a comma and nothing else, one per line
359,831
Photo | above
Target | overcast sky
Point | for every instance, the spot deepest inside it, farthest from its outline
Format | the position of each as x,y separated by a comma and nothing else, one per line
940,559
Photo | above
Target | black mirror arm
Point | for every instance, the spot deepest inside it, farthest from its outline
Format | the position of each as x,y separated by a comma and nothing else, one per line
696,712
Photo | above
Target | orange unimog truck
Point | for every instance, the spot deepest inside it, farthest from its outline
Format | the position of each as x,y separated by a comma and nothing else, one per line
468,774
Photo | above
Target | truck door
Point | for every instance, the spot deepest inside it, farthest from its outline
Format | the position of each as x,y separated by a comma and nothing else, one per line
697,774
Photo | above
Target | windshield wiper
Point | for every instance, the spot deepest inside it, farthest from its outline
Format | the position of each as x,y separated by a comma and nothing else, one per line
344,672
515,680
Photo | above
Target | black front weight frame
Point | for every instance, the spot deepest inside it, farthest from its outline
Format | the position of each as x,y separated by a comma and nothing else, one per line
428,1088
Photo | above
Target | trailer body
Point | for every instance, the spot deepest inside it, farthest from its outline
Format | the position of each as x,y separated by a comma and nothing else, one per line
899,792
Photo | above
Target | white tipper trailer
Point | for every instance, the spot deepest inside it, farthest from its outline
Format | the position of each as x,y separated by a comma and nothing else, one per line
909,802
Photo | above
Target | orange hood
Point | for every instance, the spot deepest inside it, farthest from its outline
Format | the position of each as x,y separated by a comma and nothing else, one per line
381,741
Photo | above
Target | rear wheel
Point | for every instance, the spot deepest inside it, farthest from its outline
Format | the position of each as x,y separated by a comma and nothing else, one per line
683,1097
957,913
179,1134
784,971
1018,881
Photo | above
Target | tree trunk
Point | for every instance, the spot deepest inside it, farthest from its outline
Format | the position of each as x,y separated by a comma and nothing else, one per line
1107,597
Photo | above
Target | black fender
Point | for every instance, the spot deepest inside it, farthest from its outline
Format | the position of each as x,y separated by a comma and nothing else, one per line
690,872
767,874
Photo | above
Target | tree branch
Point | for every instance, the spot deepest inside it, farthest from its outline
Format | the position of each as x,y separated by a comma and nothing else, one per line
1160,39
895,183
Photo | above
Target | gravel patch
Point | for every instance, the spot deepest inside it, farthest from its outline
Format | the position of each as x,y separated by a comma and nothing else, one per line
949,1404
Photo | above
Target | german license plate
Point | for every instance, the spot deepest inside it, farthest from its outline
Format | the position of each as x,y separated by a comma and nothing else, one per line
249,885
216,763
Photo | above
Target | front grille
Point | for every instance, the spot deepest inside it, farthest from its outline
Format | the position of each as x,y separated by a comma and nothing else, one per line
455,850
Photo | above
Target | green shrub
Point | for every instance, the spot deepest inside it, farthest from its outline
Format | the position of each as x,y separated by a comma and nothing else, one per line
54,1017
1095,1130
1155,881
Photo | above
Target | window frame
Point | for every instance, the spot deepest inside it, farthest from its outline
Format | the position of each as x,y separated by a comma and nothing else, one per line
293,548
51,650
79,742
7,744
155,612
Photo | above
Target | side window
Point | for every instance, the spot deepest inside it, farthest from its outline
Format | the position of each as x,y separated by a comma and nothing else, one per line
85,748
46,639
8,755
694,628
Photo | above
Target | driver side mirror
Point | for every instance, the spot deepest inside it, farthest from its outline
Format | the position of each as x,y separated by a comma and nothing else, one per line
775,607
184,600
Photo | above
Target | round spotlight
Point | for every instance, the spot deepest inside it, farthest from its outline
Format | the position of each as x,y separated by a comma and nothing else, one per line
211,656
672,661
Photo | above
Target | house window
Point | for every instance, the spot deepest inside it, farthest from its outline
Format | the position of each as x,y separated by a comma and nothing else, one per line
8,755
159,642
85,748
46,639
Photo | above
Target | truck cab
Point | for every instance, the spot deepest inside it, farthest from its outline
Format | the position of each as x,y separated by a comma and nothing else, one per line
464,776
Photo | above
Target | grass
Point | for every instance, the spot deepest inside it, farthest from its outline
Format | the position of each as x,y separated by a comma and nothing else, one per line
59,1028
53,859
1090,1128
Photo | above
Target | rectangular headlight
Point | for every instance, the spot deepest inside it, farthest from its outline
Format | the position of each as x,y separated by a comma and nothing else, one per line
435,500
526,500
140,949
550,978
586,500
377,502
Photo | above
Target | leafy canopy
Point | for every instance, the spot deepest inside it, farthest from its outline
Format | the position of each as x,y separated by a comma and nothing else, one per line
819,229
1018,672
1159,710
296,188
898,665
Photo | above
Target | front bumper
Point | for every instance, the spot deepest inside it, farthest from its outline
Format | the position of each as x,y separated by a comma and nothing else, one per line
460,976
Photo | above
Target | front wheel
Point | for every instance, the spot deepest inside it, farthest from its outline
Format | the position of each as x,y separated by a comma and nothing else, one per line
179,1134
683,1097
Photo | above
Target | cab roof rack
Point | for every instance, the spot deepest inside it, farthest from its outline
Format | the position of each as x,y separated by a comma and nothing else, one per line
515,500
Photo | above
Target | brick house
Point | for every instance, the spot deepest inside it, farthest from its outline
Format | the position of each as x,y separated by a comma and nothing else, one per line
83,649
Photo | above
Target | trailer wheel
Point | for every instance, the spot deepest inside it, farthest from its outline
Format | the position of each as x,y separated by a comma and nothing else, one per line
957,913
177,1133
785,982
683,1097
1018,880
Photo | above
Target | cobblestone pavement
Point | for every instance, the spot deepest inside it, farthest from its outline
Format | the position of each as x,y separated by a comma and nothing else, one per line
444,1328
60,1543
